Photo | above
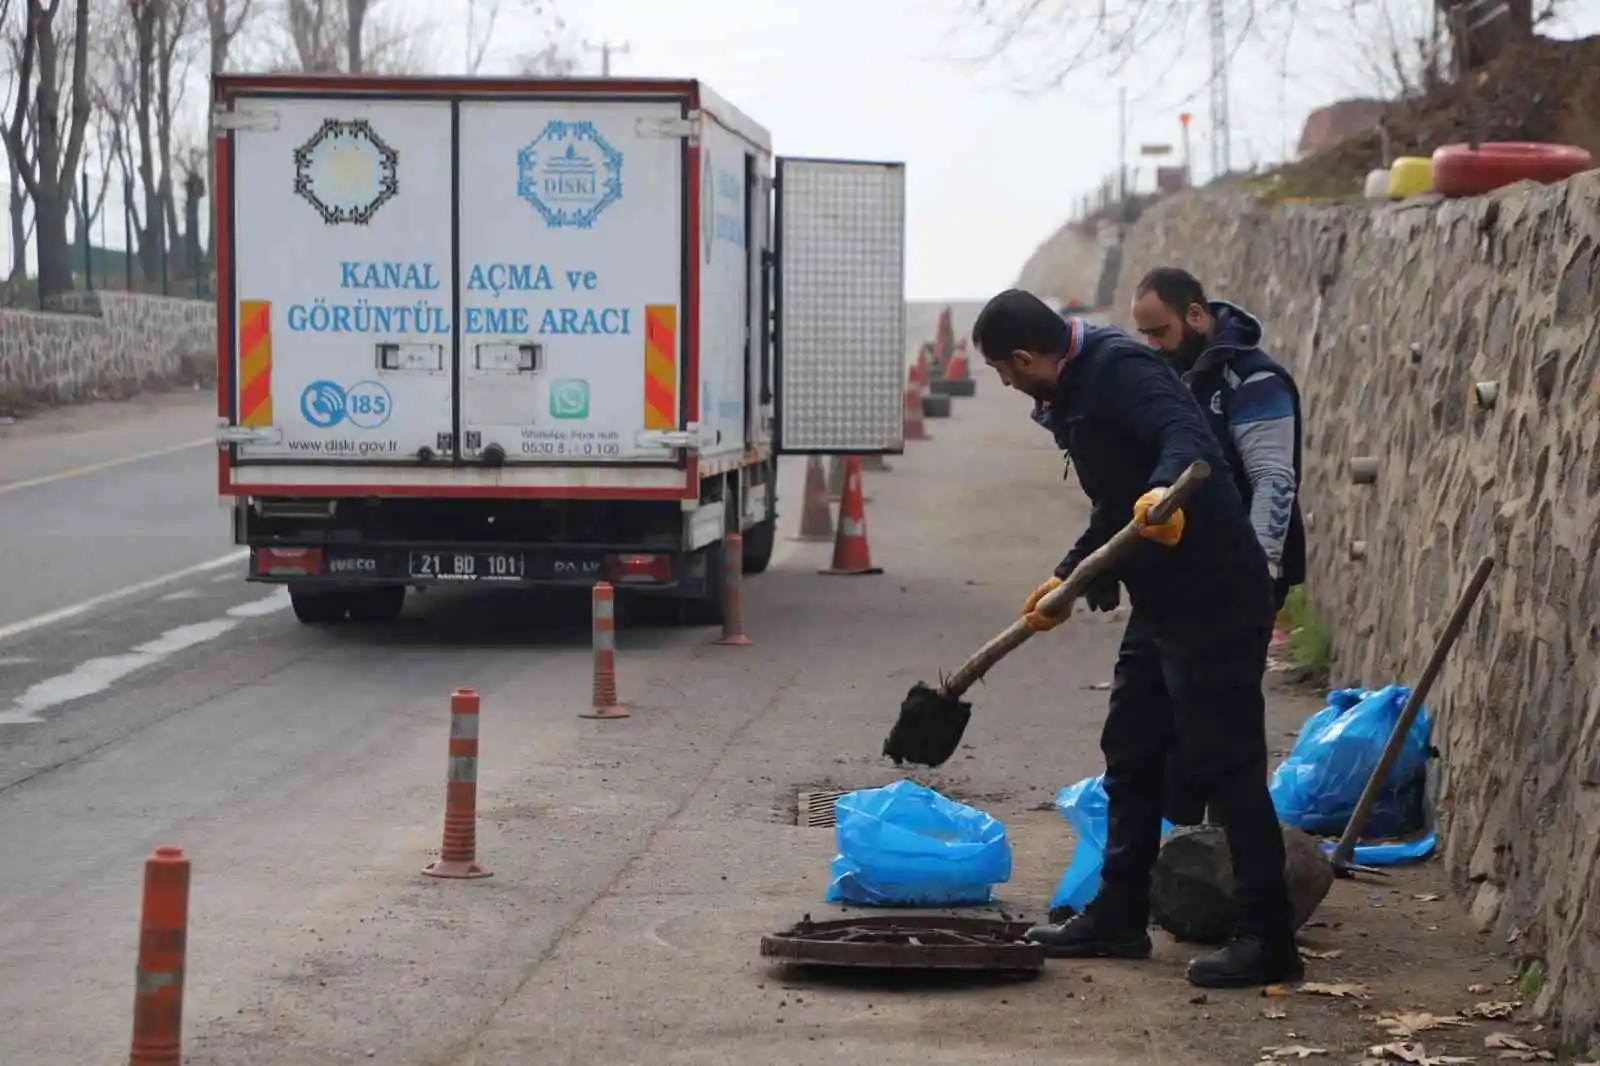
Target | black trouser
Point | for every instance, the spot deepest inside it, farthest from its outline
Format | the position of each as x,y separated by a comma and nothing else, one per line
1182,803
1193,689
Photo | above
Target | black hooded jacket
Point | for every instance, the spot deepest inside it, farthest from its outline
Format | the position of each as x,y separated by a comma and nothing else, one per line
1128,424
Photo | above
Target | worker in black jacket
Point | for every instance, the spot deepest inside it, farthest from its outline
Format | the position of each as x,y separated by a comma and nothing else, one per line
1189,674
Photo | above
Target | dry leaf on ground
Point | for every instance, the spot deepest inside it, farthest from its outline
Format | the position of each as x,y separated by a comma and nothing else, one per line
1418,1022
1312,953
1342,990
1274,1013
1478,990
1293,1051
1406,1051
1503,1009
1427,897
1506,1040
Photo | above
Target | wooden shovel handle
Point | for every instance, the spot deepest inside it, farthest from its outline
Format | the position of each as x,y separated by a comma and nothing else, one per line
1095,566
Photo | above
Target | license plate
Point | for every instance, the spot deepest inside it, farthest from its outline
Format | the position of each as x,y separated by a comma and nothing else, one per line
468,566
576,568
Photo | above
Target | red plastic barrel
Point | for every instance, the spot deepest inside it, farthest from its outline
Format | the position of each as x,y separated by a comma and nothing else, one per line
1461,170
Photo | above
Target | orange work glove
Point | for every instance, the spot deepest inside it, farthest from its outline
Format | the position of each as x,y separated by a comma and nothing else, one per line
1167,533
1036,620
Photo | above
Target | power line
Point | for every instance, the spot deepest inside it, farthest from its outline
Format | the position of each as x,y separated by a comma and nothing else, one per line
606,48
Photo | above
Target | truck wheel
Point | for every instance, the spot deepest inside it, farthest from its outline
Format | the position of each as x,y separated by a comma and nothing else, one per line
316,607
758,543
706,609
382,604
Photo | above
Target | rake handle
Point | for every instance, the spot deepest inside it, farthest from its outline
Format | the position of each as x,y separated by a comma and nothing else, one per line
1093,568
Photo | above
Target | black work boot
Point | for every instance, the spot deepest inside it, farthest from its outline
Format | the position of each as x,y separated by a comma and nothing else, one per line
1248,961
1102,931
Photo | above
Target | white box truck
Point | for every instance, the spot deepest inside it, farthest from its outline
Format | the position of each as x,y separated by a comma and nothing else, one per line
516,331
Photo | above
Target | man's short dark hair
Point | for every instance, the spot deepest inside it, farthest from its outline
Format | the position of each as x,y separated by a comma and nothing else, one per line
1174,286
1017,320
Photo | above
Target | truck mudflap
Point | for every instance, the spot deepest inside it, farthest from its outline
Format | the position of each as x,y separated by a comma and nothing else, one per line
646,569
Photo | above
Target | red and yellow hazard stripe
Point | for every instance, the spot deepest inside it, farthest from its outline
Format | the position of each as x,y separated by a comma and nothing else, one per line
255,362
660,366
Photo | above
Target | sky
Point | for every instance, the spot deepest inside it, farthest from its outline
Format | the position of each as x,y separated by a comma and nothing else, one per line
993,166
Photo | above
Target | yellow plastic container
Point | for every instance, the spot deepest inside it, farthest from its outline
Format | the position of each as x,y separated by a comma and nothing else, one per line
1410,175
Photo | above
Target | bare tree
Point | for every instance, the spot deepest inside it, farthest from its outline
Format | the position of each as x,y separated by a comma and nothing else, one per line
327,36
484,15
48,162
225,21
1056,40
552,61
355,21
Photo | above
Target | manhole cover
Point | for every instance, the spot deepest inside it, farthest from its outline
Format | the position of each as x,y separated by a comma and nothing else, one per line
814,810
909,942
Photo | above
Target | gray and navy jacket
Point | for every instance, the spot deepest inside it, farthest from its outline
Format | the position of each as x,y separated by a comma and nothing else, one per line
1254,409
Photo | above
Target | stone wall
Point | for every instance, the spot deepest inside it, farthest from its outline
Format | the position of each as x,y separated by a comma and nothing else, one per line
104,344
1388,315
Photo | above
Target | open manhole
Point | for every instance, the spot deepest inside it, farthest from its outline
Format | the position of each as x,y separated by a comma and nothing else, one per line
909,942
814,810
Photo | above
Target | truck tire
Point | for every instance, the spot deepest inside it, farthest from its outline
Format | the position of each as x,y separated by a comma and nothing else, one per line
758,543
381,604
317,607
706,608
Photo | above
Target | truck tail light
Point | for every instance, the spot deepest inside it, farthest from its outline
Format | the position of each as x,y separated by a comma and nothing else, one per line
288,562
640,569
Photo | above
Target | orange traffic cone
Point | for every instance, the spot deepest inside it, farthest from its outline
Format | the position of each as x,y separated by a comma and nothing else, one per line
918,374
957,370
851,554
915,428
816,521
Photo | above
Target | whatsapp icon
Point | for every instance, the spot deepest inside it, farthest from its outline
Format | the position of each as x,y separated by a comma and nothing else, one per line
569,398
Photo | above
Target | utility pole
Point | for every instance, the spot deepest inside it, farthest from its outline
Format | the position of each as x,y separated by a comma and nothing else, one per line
1122,144
1221,149
605,48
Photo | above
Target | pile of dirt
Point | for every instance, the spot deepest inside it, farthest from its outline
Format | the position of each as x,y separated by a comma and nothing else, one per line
1543,91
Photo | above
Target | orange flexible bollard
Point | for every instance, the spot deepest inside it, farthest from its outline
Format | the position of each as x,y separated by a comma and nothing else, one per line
605,703
163,945
733,633
458,853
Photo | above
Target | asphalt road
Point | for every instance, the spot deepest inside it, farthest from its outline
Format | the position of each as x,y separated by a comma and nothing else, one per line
636,862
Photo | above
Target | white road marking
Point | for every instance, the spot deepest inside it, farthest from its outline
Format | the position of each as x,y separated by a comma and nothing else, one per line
93,676
182,594
62,614
108,464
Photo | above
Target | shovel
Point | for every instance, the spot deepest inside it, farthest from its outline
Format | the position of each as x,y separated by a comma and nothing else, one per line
932,720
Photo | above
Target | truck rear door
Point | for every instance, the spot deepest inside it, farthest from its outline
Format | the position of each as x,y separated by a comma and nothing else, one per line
840,323
342,285
571,241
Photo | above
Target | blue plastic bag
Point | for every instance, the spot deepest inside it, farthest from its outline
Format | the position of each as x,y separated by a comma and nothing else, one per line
1316,788
1085,806
905,845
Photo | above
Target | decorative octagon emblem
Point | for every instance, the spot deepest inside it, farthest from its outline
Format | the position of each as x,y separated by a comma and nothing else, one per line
346,171
569,173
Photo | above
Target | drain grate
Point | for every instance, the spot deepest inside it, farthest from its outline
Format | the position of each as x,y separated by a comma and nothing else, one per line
814,810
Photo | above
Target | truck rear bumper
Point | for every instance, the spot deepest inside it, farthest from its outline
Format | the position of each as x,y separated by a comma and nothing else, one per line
421,565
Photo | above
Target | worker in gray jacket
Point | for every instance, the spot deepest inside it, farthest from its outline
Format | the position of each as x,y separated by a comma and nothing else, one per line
1253,406
1252,402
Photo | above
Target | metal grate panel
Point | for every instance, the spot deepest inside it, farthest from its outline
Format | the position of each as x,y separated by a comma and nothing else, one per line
814,810
841,306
